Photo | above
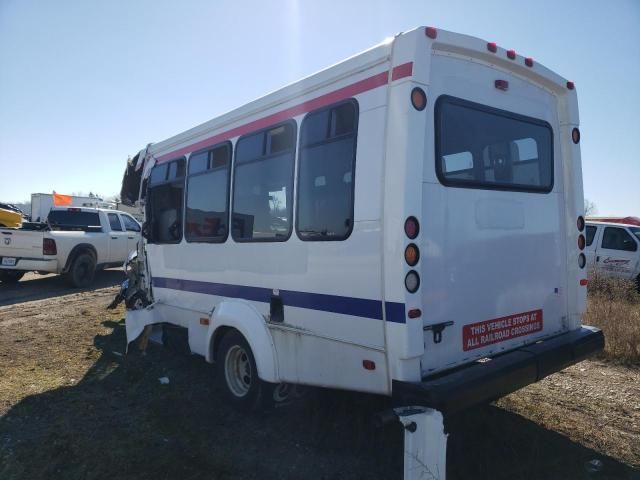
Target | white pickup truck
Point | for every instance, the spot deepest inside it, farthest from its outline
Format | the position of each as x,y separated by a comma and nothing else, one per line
75,242
614,250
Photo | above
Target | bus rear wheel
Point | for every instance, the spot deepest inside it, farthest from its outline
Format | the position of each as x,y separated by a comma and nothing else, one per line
237,375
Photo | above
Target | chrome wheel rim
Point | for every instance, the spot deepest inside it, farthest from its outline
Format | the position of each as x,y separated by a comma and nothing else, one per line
237,371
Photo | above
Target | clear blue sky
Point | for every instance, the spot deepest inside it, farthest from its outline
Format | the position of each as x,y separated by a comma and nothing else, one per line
83,84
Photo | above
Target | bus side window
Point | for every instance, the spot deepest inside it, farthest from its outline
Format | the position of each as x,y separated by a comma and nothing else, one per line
207,195
164,202
263,185
326,173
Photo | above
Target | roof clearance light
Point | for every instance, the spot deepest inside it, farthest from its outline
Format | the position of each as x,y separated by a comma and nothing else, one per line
528,62
581,242
502,85
575,136
411,254
492,47
431,32
412,281
582,260
411,227
418,99
580,223
511,54
571,85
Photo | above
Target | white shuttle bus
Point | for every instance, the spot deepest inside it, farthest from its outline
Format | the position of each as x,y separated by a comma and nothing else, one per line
407,222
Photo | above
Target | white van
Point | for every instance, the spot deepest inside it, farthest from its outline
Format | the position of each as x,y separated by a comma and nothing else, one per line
613,249
406,223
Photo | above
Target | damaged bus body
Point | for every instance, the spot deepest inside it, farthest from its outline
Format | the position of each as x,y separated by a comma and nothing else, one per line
407,222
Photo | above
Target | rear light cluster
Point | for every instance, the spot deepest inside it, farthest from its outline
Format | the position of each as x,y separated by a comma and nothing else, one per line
49,246
582,242
411,256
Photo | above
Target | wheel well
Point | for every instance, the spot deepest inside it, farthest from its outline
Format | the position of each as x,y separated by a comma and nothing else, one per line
78,250
218,335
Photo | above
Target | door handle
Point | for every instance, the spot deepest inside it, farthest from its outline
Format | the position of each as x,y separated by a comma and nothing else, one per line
130,238
114,238
598,258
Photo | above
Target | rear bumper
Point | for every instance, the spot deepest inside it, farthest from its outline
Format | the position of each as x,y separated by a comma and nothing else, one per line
482,382
33,264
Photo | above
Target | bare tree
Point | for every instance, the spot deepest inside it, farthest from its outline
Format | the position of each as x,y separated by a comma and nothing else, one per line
589,208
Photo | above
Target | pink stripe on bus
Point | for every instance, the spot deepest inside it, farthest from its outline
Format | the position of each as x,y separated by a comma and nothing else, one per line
401,71
356,88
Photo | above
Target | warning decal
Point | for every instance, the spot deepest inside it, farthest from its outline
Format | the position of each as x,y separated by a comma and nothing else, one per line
481,334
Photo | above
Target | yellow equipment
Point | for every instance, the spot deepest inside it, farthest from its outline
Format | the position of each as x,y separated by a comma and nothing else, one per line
9,218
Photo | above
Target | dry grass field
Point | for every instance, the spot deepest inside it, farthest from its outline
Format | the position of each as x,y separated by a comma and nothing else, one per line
72,406
614,306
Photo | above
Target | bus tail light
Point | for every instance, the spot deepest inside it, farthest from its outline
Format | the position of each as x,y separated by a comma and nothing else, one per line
580,223
575,136
412,281
411,254
584,282
581,242
582,260
414,313
411,227
49,246
418,99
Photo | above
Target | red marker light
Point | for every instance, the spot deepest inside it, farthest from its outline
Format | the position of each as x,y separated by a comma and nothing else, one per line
571,85
584,282
511,54
431,32
369,364
492,47
414,313
502,85
528,62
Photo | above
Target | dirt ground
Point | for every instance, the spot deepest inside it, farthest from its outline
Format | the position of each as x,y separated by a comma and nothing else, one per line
72,406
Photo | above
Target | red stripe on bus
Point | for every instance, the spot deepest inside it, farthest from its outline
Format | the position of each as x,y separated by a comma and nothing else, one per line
356,88
401,71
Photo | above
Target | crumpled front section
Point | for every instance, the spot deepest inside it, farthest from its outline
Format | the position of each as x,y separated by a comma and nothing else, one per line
136,320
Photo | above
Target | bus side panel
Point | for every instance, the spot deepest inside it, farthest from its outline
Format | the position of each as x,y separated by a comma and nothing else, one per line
336,272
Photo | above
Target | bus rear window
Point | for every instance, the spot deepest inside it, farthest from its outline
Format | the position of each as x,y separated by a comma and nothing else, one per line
482,147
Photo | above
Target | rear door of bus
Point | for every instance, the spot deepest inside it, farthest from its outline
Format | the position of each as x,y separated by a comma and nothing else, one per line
494,276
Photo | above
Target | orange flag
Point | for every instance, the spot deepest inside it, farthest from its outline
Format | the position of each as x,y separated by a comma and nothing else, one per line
60,200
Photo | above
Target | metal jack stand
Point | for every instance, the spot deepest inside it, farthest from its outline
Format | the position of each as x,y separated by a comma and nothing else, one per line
425,443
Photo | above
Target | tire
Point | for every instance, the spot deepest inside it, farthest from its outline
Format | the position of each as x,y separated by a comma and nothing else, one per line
82,271
11,276
237,374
